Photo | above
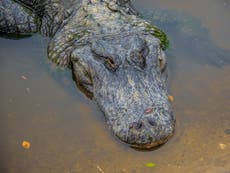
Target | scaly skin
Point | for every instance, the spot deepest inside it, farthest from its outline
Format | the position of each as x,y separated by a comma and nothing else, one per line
117,59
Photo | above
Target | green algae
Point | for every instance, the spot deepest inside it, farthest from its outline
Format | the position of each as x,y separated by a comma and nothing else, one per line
156,32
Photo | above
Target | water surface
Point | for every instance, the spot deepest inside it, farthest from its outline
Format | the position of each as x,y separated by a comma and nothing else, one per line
67,131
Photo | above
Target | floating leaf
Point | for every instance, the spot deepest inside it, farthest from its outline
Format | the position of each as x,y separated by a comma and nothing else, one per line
171,98
150,164
26,144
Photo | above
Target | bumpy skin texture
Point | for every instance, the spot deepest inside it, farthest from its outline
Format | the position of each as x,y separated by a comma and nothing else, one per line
15,19
116,59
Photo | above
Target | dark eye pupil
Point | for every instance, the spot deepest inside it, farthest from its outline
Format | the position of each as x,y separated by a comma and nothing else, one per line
110,64
110,61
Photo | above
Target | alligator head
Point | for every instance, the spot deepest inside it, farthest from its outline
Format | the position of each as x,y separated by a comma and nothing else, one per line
118,60
126,76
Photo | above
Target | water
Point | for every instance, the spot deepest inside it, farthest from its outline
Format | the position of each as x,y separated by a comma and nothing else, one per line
67,131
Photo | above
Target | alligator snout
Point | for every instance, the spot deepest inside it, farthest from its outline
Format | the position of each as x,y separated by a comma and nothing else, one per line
150,130
136,125
139,124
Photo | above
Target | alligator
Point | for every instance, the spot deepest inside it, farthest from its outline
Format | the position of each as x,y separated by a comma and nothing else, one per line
116,57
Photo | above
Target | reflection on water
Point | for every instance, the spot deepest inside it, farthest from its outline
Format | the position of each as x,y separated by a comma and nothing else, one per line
68,134
214,14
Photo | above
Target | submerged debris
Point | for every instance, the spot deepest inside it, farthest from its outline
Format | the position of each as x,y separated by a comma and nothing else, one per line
28,90
222,146
24,77
26,144
227,131
99,169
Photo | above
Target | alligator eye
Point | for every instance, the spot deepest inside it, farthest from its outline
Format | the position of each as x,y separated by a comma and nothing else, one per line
162,60
110,63
162,63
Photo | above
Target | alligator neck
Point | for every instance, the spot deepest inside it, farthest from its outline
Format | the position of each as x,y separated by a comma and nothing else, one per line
58,13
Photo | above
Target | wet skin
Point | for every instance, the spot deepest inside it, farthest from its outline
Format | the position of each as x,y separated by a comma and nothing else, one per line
116,57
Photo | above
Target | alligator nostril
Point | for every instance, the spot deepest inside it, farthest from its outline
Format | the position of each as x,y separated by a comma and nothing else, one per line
151,121
136,125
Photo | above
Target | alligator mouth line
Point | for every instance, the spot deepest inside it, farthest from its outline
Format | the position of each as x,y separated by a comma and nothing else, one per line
151,146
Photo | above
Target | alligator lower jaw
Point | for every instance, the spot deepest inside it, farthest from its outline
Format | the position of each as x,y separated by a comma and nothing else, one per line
152,145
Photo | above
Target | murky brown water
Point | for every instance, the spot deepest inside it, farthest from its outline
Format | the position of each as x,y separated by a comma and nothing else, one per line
67,131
